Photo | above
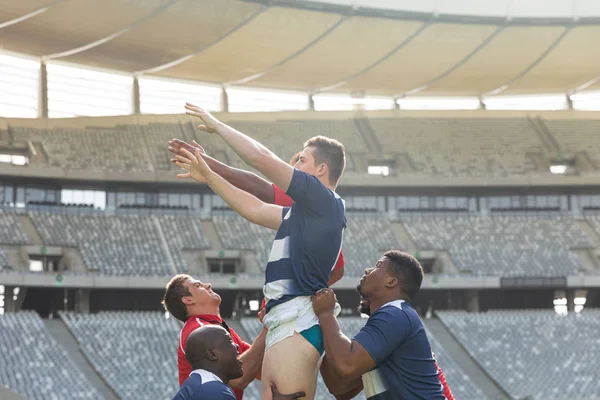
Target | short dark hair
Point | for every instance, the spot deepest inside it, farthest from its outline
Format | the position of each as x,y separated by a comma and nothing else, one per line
330,152
408,271
295,158
175,291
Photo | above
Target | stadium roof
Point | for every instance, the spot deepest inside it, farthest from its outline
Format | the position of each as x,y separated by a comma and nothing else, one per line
310,46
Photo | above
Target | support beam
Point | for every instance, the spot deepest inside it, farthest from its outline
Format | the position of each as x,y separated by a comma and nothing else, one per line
43,91
82,301
224,99
311,102
472,300
9,302
569,102
570,300
135,96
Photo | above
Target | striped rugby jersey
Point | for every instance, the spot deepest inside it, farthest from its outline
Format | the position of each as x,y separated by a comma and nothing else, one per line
308,242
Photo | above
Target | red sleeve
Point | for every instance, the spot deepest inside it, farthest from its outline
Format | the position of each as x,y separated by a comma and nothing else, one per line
281,198
237,340
447,392
340,261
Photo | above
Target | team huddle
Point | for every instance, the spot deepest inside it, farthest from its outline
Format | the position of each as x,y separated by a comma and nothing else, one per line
390,358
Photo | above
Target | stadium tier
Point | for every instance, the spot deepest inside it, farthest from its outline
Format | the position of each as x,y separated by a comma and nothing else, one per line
124,244
456,147
461,385
502,245
35,365
155,245
533,354
140,361
461,147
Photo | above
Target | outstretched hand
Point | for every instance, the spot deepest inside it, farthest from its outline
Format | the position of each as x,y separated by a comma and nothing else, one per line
175,146
210,122
279,396
194,164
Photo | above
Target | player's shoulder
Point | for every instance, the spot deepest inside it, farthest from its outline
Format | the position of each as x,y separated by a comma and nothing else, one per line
395,311
217,390
191,325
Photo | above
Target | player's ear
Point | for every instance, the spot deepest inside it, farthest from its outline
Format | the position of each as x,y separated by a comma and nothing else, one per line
391,282
211,355
187,300
322,169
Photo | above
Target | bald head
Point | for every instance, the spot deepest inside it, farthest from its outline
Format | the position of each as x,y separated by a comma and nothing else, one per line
211,348
201,341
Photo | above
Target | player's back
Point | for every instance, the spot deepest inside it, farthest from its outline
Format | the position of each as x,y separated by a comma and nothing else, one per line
204,385
307,243
405,368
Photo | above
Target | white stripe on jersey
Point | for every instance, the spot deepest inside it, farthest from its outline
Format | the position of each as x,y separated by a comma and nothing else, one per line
280,249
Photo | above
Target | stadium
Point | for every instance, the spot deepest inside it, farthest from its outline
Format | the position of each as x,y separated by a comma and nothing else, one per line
472,139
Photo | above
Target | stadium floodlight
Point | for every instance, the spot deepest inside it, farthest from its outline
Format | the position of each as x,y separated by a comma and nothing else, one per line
558,169
253,304
382,170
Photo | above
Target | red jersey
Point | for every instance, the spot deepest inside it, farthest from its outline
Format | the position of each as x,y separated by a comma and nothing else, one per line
193,323
447,392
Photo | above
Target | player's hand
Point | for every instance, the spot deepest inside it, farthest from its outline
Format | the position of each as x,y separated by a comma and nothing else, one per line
324,301
279,396
261,315
175,146
195,165
210,123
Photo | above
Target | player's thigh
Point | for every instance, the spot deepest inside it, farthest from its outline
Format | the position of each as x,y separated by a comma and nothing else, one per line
293,365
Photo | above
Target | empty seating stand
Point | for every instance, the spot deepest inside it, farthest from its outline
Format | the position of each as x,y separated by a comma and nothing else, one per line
33,364
534,353
504,246
134,352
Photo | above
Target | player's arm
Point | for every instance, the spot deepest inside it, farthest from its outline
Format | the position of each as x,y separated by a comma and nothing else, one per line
251,151
350,359
245,204
252,362
244,180
340,388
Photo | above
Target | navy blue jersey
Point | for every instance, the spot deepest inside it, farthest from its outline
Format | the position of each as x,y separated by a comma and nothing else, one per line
203,385
405,368
308,242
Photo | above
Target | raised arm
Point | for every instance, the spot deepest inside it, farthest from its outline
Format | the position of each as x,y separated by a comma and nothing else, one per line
348,358
244,180
252,362
252,152
245,204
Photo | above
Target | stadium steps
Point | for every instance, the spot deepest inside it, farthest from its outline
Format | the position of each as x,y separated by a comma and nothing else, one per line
590,254
368,135
208,227
237,326
27,226
543,133
7,394
63,336
16,257
402,235
74,260
455,351
165,246
448,266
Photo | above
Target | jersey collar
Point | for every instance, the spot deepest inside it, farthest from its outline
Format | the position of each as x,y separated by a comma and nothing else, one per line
206,376
210,318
